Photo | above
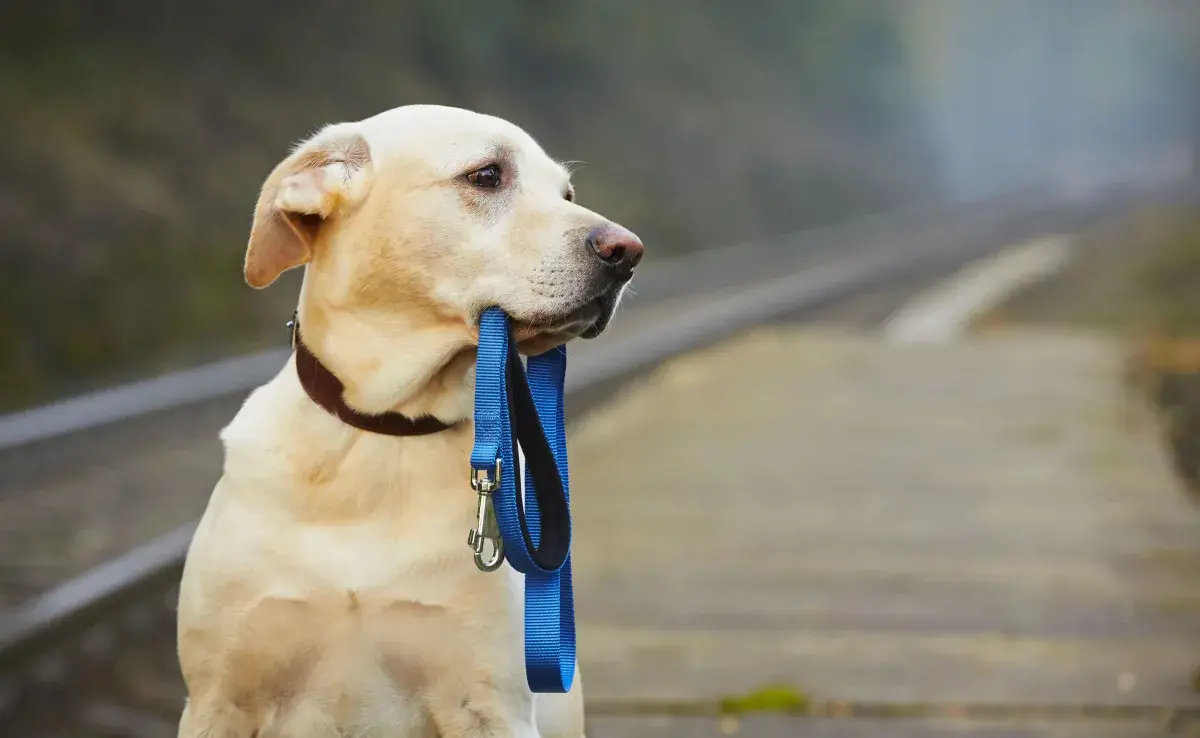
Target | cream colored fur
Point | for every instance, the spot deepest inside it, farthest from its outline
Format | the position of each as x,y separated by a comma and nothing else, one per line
329,590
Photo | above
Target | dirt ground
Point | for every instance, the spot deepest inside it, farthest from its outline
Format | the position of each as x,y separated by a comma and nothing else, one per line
975,529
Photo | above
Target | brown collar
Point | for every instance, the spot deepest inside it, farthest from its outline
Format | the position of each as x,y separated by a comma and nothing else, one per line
326,390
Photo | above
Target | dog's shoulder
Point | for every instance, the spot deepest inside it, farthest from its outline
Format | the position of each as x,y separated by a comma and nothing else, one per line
262,411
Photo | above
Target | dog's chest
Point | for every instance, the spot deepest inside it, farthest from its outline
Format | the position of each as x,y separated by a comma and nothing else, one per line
362,557
355,707
366,638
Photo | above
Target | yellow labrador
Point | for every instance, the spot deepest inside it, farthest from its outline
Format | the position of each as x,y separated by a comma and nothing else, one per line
328,590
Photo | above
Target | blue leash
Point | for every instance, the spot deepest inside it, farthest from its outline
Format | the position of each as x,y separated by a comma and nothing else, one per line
535,538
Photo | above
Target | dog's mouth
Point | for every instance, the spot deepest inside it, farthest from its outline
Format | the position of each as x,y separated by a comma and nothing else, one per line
605,308
586,321
592,318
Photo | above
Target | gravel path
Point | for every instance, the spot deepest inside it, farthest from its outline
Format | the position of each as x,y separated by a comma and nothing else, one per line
919,540
967,527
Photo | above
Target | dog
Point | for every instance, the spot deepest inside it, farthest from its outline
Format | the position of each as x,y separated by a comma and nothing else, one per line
328,589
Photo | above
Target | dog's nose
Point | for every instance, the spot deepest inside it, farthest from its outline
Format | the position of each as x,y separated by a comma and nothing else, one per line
618,248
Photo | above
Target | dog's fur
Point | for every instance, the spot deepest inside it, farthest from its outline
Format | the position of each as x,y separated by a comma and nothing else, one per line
329,590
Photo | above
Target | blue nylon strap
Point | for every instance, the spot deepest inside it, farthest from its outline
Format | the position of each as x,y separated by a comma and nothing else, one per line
491,417
549,596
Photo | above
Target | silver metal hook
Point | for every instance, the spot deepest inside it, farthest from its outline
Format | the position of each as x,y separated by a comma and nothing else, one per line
486,527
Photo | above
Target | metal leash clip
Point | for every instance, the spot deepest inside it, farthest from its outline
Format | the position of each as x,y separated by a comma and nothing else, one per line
486,527
293,327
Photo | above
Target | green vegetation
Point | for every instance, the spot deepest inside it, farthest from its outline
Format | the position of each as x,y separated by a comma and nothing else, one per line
1170,276
771,698
137,133
1134,275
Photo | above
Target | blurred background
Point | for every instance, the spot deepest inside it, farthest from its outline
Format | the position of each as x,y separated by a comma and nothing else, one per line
748,144
137,133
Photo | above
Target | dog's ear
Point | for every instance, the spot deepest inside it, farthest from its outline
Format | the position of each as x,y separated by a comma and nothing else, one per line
320,178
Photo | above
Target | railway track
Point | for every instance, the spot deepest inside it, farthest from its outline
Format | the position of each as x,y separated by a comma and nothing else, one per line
87,636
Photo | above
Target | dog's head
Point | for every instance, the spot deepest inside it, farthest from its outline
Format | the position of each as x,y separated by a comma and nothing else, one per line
445,210
414,221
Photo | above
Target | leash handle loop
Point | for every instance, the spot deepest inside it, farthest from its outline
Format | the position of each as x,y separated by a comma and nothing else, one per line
535,531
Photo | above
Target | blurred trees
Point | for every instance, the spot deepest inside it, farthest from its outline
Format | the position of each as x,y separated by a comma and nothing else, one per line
140,131
137,133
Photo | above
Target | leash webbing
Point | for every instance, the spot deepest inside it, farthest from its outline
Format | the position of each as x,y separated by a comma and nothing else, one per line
512,407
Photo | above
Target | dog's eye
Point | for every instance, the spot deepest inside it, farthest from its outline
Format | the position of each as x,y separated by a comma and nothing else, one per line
569,195
488,177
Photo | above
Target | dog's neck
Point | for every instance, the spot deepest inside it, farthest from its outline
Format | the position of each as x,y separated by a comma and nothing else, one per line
287,454
395,363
